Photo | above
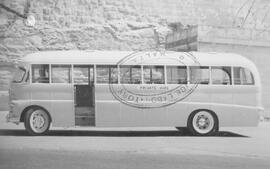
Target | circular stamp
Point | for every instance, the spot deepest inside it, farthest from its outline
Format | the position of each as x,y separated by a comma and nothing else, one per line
152,86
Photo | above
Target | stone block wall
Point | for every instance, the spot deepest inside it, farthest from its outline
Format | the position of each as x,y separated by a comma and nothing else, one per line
117,24
131,25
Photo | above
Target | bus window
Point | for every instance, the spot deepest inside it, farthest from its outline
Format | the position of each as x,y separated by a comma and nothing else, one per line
19,75
242,76
221,75
199,75
176,75
61,73
130,74
40,73
153,74
107,74
83,74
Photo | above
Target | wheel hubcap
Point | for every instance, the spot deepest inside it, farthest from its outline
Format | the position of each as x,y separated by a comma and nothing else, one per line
39,121
203,122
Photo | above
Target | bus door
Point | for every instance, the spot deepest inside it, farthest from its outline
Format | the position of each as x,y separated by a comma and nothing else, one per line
84,95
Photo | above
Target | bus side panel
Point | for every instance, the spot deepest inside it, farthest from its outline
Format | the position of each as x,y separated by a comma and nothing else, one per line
108,112
200,98
245,95
201,94
217,98
62,97
245,105
245,116
113,113
132,116
235,115
142,116
222,94
57,99
224,113
222,103
233,105
177,114
20,99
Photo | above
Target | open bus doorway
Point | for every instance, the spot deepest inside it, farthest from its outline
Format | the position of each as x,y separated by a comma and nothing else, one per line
84,95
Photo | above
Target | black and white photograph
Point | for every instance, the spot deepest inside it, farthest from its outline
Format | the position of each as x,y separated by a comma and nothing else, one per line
134,84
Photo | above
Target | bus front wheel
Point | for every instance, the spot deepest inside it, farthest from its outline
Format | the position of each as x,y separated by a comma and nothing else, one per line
203,123
37,121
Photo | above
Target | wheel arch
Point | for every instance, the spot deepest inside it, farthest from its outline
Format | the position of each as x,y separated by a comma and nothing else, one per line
33,107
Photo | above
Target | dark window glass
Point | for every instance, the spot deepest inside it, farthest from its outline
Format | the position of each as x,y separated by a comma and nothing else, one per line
242,76
107,74
153,74
83,74
221,75
61,73
40,74
199,75
176,75
130,74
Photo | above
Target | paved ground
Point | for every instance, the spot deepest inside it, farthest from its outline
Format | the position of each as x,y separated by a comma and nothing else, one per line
133,148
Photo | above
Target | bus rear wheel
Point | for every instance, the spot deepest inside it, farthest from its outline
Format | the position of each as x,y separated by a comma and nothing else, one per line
37,121
203,123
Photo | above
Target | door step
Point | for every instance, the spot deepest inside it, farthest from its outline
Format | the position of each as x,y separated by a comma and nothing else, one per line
84,116
84,121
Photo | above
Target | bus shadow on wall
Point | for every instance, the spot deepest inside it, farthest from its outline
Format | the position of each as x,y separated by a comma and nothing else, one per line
163,133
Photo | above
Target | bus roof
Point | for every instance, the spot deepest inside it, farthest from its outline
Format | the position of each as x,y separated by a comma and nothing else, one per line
113,57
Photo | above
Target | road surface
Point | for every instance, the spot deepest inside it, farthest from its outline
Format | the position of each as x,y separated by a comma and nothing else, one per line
101,148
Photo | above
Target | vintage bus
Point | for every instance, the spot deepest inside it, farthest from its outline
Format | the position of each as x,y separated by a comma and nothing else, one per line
79,88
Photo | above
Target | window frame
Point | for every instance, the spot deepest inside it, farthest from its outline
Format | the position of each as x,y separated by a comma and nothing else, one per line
31,73
199,67
110,67
221,68
251,73
23,76
88,66
142,80
177,66
151,74
131,79
70,66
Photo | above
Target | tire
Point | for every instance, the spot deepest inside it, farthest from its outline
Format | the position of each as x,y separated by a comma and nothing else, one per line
37,121
203,123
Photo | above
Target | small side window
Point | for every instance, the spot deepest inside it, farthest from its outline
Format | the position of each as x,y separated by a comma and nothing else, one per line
221,75
130,74
83,74
153,74
19,75
40,73
176,75
106,74
199,75
61,73
242,76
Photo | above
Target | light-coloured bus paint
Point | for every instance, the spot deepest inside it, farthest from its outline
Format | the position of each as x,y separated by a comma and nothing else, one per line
57,99
234,105
229,114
